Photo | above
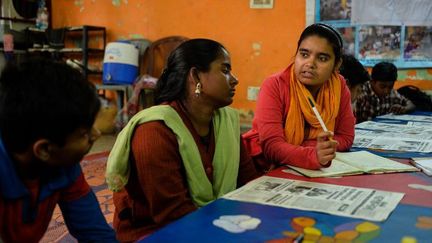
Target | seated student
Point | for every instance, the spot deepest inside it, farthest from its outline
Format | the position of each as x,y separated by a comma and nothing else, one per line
378,97
186,151
355,75
47,110
421,100
285,127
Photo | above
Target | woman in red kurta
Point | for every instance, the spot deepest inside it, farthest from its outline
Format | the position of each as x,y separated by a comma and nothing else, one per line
285,128
196,88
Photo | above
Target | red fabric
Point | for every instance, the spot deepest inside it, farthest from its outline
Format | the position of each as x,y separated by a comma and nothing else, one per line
157,192
11,211
269,121
79,189
143,83
253,146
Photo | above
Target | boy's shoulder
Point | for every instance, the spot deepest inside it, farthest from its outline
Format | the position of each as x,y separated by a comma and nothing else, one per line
57,179
366,91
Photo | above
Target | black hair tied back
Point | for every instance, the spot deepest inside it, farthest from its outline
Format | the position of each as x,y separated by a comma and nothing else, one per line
333,31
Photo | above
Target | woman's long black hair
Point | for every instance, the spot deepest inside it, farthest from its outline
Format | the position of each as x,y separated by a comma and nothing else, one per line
198,53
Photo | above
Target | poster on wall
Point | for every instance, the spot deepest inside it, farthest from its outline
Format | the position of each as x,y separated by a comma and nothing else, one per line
261,4
379,42
405,46
392,12
418,43
348,34
335,10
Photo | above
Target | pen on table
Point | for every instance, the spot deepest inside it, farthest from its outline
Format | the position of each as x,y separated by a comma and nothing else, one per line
423,169
318,116
298,239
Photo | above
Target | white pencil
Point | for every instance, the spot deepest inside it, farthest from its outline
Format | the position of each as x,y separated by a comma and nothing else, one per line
317,114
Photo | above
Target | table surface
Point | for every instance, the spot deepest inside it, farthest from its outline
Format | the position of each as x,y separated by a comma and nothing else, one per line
411,221
412,218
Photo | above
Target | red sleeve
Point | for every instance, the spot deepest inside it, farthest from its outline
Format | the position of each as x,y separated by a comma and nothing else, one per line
78,189
271,111
160,175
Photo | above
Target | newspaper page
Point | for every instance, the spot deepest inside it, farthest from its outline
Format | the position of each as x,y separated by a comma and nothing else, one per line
409,128
419,124
338,200
392,144
406,117
397,137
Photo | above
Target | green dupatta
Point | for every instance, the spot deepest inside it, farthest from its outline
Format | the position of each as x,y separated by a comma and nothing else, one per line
225,160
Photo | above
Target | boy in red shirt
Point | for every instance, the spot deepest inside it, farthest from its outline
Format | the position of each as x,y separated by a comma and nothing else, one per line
47,111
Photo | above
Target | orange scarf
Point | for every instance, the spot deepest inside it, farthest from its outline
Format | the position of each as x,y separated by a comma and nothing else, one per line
300,110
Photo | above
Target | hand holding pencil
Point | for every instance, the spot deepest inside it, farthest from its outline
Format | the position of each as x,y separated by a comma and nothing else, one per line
326,145
325,148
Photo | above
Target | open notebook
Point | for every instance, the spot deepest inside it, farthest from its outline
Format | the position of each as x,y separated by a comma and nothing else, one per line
354,163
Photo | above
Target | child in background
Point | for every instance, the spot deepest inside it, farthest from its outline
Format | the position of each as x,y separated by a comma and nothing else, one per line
421,100
377,97
355,75
47,111
285,128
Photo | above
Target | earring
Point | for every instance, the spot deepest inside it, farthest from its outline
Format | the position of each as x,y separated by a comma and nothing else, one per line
198,89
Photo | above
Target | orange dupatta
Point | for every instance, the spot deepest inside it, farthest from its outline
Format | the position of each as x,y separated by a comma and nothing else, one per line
300,110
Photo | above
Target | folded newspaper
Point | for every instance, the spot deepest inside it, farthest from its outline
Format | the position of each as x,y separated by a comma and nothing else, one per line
354,202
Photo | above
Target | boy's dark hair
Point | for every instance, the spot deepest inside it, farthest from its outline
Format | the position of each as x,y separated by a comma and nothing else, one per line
353,71
385,72
40,98
198,53
421,100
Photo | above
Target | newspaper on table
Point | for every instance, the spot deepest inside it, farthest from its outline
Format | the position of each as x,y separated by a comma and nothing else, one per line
354,202
406,117
419,124
409,128
393,137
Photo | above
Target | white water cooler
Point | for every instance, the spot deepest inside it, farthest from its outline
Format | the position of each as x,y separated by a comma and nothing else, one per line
120,64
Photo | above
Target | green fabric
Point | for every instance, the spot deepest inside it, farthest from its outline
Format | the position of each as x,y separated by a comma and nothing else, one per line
225,161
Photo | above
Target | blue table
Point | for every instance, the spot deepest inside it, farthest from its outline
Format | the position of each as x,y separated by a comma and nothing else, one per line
412,217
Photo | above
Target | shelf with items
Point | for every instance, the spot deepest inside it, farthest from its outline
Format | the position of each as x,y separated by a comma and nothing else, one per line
82,45
85,43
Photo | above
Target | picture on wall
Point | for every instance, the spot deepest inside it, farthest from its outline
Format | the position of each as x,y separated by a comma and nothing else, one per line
404,45
418,43
261,4
348,35
379,42
335,10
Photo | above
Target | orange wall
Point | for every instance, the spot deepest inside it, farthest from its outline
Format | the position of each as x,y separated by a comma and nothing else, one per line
261,41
